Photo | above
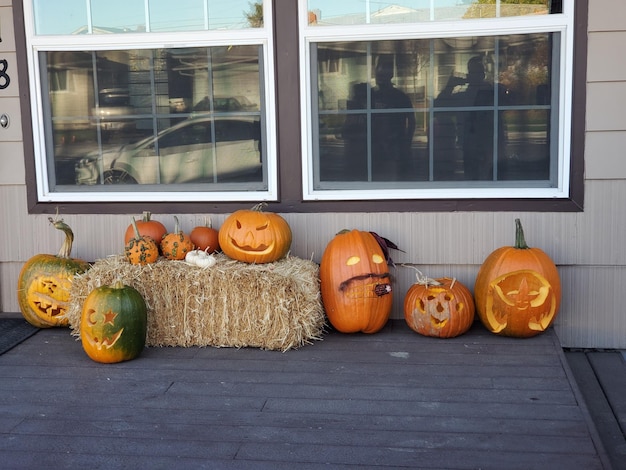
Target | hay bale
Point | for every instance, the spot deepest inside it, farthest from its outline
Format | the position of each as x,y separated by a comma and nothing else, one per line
232,304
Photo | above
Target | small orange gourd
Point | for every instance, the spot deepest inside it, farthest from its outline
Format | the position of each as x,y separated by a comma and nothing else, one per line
175,245
146,226
517,289
141,249
205,237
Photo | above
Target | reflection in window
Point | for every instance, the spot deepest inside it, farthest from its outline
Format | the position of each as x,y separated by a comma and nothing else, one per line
358,12
156,116
415,113
124,16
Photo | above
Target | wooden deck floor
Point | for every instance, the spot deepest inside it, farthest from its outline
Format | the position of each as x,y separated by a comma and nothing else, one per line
394,399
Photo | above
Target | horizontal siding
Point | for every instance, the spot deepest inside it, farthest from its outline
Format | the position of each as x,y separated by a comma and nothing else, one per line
603,45
604,155
607,15
606,102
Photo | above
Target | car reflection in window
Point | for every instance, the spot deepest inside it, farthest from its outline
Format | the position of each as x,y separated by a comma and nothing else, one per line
182,153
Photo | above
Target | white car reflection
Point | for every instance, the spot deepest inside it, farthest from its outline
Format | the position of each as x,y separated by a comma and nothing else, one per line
186,152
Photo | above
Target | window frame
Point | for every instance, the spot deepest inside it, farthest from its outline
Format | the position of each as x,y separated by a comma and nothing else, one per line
135,41
562,23
288,122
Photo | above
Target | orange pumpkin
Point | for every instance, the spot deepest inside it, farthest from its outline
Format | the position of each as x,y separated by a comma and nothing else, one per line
205,237
441,308
517,289
141,249
152,228
254,236
44,283
175,245
355,283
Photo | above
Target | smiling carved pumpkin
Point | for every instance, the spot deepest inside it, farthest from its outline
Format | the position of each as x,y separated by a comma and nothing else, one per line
355,283
113,323
441,308
253,236
517,289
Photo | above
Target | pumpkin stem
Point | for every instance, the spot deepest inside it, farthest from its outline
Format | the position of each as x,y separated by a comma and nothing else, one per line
66,248
117,284
134,223
259,207
146,216
176,225
421,279
520,241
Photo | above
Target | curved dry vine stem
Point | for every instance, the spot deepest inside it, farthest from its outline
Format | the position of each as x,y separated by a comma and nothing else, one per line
421,278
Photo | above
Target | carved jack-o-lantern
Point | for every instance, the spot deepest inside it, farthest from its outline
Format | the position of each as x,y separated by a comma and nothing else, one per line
521,301
254,236
113,323
442,308
517,290
355,284
44,283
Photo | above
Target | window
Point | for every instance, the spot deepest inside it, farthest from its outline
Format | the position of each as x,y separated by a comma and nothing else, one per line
315,105
151,100
416,99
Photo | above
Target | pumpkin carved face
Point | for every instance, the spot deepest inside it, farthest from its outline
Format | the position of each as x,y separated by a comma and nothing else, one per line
44,283
517,290
355,283
44,293
113,323
442,308
253,236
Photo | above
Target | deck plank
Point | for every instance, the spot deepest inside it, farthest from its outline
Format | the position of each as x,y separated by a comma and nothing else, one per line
393,399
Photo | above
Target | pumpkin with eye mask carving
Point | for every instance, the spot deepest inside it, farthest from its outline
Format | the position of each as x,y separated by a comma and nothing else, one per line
355,284
254,236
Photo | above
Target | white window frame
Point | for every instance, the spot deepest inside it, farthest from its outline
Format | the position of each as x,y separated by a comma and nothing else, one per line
209,38
562,23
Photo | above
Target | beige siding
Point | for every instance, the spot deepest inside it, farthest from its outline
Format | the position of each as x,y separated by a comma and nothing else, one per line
588,247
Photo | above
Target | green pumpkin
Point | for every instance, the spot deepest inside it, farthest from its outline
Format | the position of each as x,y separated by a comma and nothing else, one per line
113,323
44,283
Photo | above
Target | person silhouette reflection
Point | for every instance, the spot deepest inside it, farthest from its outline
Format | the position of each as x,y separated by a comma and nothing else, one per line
474,127
392,131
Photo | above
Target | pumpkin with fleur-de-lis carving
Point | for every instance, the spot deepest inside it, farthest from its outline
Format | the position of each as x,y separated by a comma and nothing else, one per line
517,289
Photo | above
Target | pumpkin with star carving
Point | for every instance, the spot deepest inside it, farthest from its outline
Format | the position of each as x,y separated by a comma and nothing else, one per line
113,323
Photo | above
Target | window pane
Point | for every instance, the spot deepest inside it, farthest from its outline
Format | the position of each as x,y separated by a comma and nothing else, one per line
331,12
118,16
160,116
413,113
60,16
122,16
